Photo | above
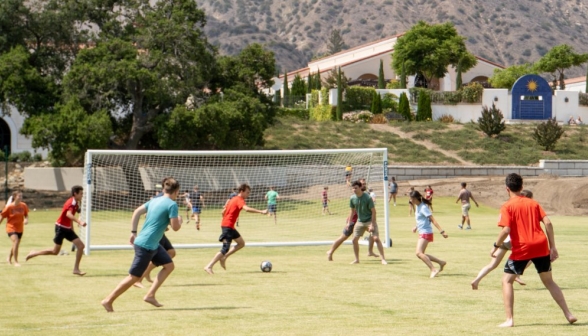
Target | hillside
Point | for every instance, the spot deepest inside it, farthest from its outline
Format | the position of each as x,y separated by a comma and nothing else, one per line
507,32
426,143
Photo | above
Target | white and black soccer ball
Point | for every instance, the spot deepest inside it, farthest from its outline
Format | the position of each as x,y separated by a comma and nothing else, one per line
266,266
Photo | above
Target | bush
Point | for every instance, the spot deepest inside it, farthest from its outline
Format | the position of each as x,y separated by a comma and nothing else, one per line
378,119
358,116
472,93
294,112
548,133
404,107
424,111
376,107
37,157
322,112
358,98
393,84
446,118
491,121
390,102
2,156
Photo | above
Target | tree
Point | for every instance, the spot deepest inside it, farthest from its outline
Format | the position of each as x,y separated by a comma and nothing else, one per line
491,122
424,110
298,87
331,81
429,49
547,134
586,88
376,107
558,59
252,70
381,80
404,107
309,83
335,43
286,90
317,81
403,77
505,78
339,95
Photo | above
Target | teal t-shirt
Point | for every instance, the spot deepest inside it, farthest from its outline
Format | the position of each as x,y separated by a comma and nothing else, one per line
159,211
272,197
363,205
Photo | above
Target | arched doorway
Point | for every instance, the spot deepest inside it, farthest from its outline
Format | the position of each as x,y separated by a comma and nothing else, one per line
5,136
531,98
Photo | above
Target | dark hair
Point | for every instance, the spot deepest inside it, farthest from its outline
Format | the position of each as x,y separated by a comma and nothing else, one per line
514,182
357,184
244,187
16,192
463,184
170,185
527,193
417,195
76,189
393,178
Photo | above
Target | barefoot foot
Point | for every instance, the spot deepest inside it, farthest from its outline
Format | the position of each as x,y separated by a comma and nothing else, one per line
571,319
29,256
506,324
16,264
148,278
442,266
138,285
384,262
329,256
208,270
107,305
520,282
78,272
474,285
152,301
372,254
354,262
433,274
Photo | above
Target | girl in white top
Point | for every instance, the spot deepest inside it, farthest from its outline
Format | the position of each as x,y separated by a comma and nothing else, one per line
424,219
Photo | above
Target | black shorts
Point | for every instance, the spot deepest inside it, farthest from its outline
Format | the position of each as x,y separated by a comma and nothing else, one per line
18,234
229,234
542,264
63,233
167,245
143,256
272,208
347,173
348,230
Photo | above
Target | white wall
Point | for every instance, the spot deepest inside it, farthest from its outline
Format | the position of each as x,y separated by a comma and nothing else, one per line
370,66
18,142
463,112
580,87
562,110
501,99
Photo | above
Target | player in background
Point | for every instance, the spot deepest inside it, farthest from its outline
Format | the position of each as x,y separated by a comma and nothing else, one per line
424,218
348,173
411,208
272,198
521,217
161,212
362,204
197,202
326,200
499,255
393,189
230,215
372,195
17,214
464,196
429,196
188,204
64,229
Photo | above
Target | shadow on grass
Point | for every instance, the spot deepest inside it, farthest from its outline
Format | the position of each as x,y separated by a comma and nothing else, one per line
194,285
186,309
118,275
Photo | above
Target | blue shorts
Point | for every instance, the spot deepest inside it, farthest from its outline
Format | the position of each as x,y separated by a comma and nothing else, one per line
196,210
348,231
272,208
144,256
325,204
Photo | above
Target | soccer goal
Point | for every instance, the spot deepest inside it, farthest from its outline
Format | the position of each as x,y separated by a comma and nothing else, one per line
311,209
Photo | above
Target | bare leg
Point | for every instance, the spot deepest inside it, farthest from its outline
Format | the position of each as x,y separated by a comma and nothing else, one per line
420,253
146,275
197,220
381,250
335,246
371,248
494,262
217,257
275,218
441,263
557,295
14,250
356,250
161,276
54,251
79,252
508,298
122,287
240,244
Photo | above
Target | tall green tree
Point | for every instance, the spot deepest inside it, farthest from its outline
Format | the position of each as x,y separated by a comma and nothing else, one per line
505,78
251,70
403,77
335,42
376,107
339,95
381,79
317,81
559,59
404,107
286,90
424,110
429,49
298,87
331,81
309,83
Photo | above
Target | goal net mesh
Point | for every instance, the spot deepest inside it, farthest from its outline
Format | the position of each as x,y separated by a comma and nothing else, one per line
117,182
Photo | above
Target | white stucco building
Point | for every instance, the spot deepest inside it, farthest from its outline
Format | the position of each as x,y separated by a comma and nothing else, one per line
10,124
576,84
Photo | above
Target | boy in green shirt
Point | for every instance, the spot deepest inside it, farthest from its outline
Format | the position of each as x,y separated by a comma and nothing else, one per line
272,203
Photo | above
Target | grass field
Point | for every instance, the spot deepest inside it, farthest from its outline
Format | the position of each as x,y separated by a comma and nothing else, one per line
304,294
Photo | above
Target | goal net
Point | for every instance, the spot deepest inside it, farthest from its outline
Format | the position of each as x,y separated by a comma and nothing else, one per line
117,182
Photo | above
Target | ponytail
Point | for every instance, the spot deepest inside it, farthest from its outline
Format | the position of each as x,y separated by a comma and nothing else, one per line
417,195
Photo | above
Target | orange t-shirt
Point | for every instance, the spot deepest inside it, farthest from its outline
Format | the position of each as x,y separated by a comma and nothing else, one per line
16,215
232,210
523,216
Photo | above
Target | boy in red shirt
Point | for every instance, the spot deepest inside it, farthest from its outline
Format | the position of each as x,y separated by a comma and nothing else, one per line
520,217
17,213
64,229
230,216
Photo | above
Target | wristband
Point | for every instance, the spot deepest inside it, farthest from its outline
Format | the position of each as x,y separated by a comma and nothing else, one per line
496,246
134,231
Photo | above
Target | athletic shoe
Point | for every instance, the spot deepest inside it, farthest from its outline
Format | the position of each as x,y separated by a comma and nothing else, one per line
460,227
469,228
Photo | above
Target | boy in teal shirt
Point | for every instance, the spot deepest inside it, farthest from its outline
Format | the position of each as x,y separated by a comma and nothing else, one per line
272,203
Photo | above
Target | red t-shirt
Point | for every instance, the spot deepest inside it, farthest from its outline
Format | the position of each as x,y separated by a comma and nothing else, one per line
325,197
70,205
232,210
428,193
523,216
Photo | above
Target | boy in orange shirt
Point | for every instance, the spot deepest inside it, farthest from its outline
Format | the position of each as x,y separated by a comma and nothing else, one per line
17,214
520,217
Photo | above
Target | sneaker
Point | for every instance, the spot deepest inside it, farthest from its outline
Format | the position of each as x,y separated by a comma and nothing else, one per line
460,227
469,228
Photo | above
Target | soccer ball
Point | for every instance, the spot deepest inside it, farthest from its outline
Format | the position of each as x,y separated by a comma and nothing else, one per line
266,266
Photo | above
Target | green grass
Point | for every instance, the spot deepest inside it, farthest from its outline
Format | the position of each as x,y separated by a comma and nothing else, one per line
514,146
304,294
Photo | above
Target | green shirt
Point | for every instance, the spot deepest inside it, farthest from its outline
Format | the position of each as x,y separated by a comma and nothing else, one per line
363,205
272,197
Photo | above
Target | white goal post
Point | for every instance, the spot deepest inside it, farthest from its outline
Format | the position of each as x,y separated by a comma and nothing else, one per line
118,181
